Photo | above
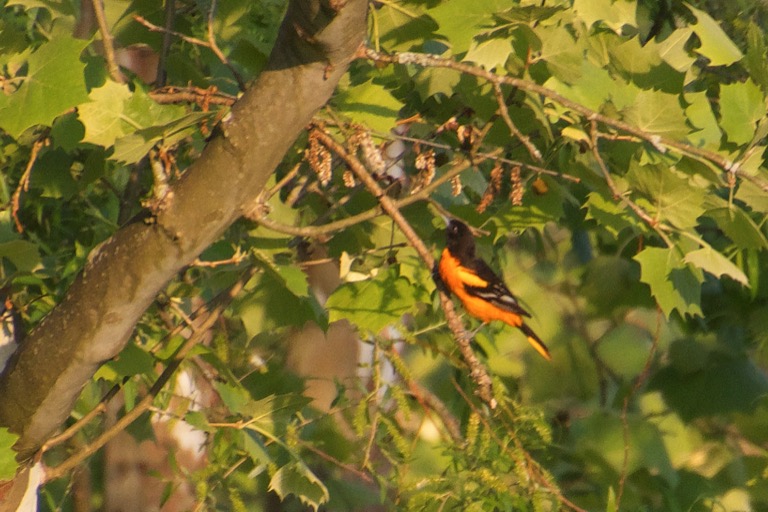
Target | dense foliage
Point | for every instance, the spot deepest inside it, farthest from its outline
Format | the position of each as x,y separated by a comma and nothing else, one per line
613,153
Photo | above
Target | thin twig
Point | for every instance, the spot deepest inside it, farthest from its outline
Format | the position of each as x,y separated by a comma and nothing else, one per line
478,373
362,475
217,51
24,182
492,156
171,95
236,259
162,65
200,330
258,214
155,28
504,111
73,429
639,381
426,398
657,141
660,228
108,41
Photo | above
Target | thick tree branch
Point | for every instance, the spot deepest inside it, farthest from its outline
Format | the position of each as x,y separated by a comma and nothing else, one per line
123,275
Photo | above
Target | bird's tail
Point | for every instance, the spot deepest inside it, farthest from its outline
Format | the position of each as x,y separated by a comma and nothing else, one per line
536,342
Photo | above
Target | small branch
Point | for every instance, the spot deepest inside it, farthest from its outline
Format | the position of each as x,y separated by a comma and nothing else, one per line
210,44
426,398
170,17
200,330
657,141
428,60
101,408
639,381
504,111
210,96
258,214
217,51
108,42
236,259
478,373
24,182
493,156
661,229
365,477
155,28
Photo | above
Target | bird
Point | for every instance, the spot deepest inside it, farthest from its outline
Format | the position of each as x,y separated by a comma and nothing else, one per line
482,293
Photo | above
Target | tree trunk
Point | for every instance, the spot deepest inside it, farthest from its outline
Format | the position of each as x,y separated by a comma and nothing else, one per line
316,42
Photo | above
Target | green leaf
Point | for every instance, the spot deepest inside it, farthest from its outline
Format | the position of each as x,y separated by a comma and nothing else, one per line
739,227
612,216
670,198
699,113
431,81
741,106
102,116
460,20
561,52
24,255
401,29
255,448
536,211
596,87
297,479
490,53
57,8
753,195
8,464
673,49
131,361
374,304
658,113
67,132
634,58
613,13
757,56
370,104
54,83
672,284
715,44
716,264
132,121
625,349
725,384
602,435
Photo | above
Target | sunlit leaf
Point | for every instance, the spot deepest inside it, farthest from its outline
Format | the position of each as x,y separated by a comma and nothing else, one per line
715,44
8,464
373,304
658,113
715,263
54,83
297,479
672,284
741,106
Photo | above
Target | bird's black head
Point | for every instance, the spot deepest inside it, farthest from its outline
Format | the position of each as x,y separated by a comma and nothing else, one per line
459,239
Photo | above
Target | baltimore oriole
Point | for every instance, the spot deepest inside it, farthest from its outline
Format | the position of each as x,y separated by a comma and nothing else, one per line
483,294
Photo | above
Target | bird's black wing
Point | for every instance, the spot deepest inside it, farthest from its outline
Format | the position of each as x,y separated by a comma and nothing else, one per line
495,291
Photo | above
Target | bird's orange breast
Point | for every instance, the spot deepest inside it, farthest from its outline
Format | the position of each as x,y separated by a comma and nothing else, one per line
456,277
